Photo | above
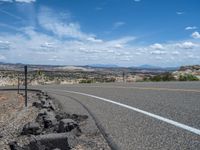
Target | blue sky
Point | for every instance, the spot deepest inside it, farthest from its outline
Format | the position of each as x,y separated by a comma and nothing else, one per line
82,32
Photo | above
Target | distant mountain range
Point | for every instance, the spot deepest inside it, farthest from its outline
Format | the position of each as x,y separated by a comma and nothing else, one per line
116,66
148,66
105,66
145,66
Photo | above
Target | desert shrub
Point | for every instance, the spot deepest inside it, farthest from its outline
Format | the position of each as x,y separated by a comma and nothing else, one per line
86,81
110,79
162,77
188,77
57,81
156,78
168,77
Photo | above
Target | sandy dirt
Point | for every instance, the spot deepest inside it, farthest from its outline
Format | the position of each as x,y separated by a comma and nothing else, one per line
13,116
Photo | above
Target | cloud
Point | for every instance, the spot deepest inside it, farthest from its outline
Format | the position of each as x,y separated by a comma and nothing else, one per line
196,35
138,53
10,1
65,42
49,21
186,45
192,56
103,47
93,39
9,27
118,46
175,53
31,46
20,1
11,14
179,12
56,58
158,52
157,46
118,24
4,45
159,58
25,1
191,28
119,43
47,47
2,57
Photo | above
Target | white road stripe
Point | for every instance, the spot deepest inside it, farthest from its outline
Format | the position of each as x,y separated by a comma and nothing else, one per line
169,121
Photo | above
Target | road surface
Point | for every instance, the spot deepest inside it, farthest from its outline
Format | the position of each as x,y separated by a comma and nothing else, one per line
140,115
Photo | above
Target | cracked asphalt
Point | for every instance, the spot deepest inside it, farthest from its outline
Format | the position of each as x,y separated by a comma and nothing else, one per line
128,129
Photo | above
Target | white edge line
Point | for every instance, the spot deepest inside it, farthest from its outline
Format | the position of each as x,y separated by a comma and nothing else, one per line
169,121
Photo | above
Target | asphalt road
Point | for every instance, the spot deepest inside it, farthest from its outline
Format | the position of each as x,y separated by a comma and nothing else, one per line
141,115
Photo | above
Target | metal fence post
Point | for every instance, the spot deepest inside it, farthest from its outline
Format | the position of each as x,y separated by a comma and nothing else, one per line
25,73
123,76
18,86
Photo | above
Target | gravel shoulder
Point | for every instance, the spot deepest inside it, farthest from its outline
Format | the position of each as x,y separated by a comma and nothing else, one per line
45,124
13,116
91,138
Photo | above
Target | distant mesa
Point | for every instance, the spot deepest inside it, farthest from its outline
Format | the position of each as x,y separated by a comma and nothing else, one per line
103,65
146,66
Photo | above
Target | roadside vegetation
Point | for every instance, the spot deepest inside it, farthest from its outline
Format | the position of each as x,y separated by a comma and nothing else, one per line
188,77
170,77
98,80
39,76
161,77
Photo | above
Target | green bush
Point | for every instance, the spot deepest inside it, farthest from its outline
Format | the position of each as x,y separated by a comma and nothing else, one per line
162,77
188,77
86,81
110,79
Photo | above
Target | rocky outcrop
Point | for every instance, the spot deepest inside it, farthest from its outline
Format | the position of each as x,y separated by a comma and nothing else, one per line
51,128
192,68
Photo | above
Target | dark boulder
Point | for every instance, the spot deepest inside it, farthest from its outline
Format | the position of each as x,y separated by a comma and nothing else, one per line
66,125
50,141
15,146
37,104
49,119
31,128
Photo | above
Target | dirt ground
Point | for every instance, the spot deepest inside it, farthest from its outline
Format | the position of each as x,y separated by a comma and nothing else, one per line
13,116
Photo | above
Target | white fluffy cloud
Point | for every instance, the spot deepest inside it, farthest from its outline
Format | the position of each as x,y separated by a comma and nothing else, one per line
187,45
196,35
191,28
66,43
43,46
32,46
157,46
